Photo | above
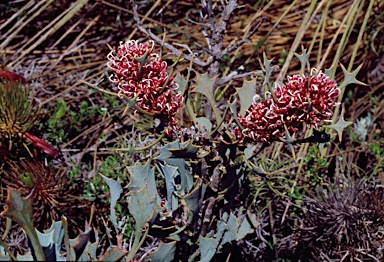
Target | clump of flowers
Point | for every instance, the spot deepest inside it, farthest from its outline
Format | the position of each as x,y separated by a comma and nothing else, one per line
140,74
301,99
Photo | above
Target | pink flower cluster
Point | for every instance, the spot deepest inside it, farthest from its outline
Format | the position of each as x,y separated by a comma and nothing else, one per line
139,73
300,100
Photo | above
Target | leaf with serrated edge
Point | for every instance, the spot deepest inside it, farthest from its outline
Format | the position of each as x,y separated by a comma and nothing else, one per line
27,257
340,125
205,85
268,68
168,172
303,59
194,199
245,227
187,151
115,191
164,253
141,176
246,94
115,254
207,248
231,233
142,206
20,210
181,82
186,177
350,77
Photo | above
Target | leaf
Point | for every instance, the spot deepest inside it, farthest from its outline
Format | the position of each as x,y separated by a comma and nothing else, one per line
330,71
246,227
186,183
187,151
231,233
81,241
340,125
164,253
207,248
27,257
205,86
194,199
58,236
168,172
4,255
205,123
350,77
61,109
268,68
141,176
181,82
47,243
20,210
115,254
248,152
246,94
303,59
142,206
115,191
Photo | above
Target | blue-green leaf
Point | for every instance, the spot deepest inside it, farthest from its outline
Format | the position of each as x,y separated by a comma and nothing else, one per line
115,190
246,94
164,253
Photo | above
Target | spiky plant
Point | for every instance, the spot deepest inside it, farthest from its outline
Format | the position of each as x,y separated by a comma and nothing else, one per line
49,188
17,113
345,219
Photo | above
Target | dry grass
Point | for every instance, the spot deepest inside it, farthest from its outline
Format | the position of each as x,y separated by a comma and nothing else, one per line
56,44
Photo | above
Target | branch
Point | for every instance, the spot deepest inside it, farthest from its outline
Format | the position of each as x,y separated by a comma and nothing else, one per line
157,40
231,48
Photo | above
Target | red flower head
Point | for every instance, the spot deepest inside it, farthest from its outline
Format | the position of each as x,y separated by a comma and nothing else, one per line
309,101
301,100
139,73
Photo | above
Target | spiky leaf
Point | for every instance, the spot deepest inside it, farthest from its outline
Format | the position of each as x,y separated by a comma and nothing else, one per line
205,86
231,234
141,176
115,191
142,206
115,254
340,125
303,59
194,199
80,242
26,257
169,172
187,151
165,252
207,248
4,256
205,123
247,226
181,82
20,210
246,94
350,77
185,176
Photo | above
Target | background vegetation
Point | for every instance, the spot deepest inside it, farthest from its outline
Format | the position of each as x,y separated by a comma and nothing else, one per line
303,202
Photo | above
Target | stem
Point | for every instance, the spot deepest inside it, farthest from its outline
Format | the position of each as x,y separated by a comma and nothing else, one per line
137,242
